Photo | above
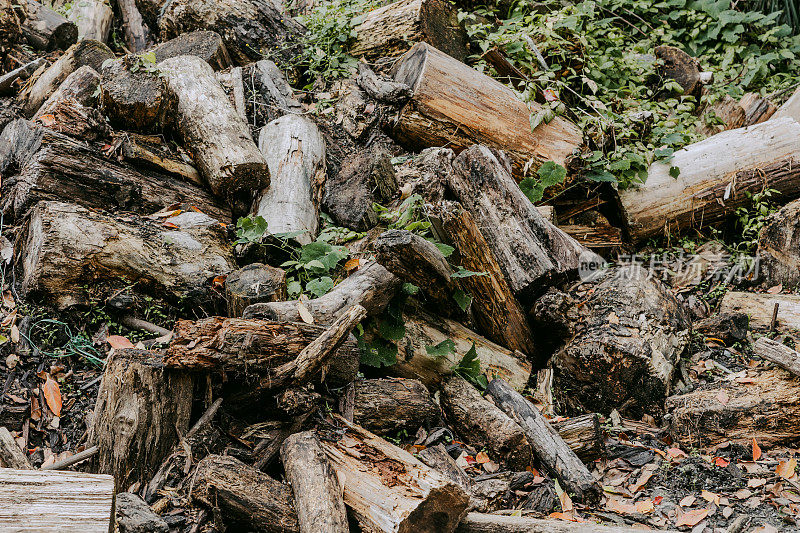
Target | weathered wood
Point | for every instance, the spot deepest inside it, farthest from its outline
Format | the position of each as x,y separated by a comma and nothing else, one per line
9,79
253,284
70,117
93,19
777,353
231,82
80,86
152,152
150,11
295,153
679,66
756,109
11,456
244,495
388,405
371,286
583,435
493,523
40,164
728,111
790,108
759,308
141,410
10,30
132,94
69,502
390,31
548,446
382,90
45,29
251,29
224,151
135,516
389,490
456,106
132,25
778,246
273,96
596,237
484,425
437,458
317,493
765,408
709,186
64,250
205,44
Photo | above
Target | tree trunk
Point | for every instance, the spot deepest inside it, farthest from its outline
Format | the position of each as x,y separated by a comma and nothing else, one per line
65,250
492,523
244,495
40,164
711,186
484,425
225,154
133,26
80,86
45,29
583,435
316,490
388,490
549,448
28,498
93,19
756,109
141,411
251,29
386,406
761,307
456,106
390,30
132,94
779,246
254,284
207,45
777,353
11,456
295,152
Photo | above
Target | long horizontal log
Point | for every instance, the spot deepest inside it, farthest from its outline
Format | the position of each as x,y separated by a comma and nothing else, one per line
777,353
205,44
760,308
45,29
489,523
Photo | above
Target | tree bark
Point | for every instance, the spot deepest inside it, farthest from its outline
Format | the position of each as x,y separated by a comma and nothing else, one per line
778,243
93,19
386,406
135,516
548,446
141,410
389,30
272,96
295,152
253,284
756,109
45,29
10,454
492,523
207,45
389,490
132,94
760,308
244,495
133,26
24,72
316,490
150,11
225,154
231,82
437,458
153,152
80,86
381,89
456,106
10,30
777,353
709,186
583,435
484,425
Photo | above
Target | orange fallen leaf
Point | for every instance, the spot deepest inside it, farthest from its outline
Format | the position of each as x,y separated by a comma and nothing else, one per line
481,458
756,482
775,289
562,516
219,281
52,395
168,224
119,342
692,518
687,501
645,506
722,462
352,264
658,499
710,497
564,499
620,507
786,469
47,120
756,450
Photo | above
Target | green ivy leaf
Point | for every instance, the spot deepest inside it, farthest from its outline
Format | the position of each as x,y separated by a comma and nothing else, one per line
469,368
674,172
464,273
463,299
392,330
377,353
250,229
443,349
551,173
319,286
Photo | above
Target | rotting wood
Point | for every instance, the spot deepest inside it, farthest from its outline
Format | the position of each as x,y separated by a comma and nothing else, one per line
388,405
205,44
132,95
11,456
777,353
437,458
254,283
45,29
93,19
132,25
756,109
583,435
232,84
778,241
382,90
9,79
759,308
80,86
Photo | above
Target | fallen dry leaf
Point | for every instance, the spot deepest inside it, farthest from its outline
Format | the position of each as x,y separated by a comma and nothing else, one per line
481,458
721,462
775,289
674,453
786,469
645,506
710,497
692,518
564,499
756,450
119,342
52,395
563,516
756,482
621,507
305,314
687,501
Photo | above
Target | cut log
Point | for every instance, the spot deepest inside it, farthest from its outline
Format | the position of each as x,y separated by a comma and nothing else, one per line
87,52
80,86
132,94
150,11
437,458
207,45
10,30
141,411
64,250
45,29
456,106
382,89
777,353
710,187
72,118
154,153
371,286
756,109
598,237
728,327
484,425
11,456
39,164
295,152
790,108
9,79
244,495
679,66
390,31
93,19
624,333
251,29
765,409
272,95
761,307
133,26
389,490
548,447
135,516
316,489
85,502
386,406
779,246
224,151
232,84
493,523
583,435
253,284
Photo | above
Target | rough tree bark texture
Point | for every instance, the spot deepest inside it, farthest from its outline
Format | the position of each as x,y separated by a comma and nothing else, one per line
252,284
386,406
132,96
779,246
80,86
207,45
11,456
756,109
153,152
456,106
777,353
93,19
140,411
437,458
760,308
133,26
583,435
45,29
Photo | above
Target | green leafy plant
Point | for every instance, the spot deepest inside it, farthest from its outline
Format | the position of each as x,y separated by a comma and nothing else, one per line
311,270
750,220
250,229
549,174
469,368
379,345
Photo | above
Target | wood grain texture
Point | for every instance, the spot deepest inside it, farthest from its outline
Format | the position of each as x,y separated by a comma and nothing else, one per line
254,283
756,108
437,458
80,86
132,25
46,29
388,405
760,306
93,19
583,435
777,353
489,523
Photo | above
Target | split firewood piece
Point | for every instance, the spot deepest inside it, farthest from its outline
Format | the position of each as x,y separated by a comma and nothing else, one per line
10,30
224,151
679,66
244,494
371,286
64,249
11,455
132,93
756,108
41,164
389,490
382,90
87,52
779,246
483,424
390,30
80,86
583,435
85,502
496,523
437,458
45,29
777,353
205,44
68,116
761,308
93,19
317,493
425,332
253,284
149,151
710,187
142,410
133,26
595,237
252,29
8,79
295,153
388,405
548,447
728,111
762,406
252,346
790,108
449,108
